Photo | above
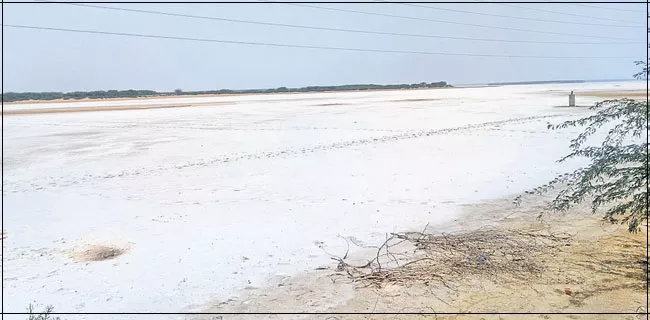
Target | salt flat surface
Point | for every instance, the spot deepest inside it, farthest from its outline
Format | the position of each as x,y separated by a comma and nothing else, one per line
208,200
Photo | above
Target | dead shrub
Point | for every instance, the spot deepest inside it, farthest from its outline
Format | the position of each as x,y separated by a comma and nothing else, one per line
98,253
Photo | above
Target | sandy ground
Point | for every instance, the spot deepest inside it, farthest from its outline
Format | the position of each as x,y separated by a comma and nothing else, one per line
618,94
600,269
635,90
195,206
12,112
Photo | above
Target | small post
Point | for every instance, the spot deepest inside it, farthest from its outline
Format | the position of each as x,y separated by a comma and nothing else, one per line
572,99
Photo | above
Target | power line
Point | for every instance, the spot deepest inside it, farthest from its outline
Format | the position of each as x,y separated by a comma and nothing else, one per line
558,12
607,8
522,18
302,46
344,30
449,22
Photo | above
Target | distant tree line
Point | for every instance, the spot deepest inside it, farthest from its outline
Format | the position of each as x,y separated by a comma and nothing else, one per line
23,96
535,82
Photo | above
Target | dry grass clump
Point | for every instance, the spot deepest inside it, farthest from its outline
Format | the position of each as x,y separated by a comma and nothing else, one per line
98,253
32,314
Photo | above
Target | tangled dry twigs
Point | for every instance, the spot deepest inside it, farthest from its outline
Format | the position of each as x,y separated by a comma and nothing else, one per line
425,257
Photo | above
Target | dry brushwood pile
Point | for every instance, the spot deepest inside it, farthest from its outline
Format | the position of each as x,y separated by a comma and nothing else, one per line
424,257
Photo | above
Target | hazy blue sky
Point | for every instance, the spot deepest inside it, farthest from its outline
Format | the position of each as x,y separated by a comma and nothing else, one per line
37,60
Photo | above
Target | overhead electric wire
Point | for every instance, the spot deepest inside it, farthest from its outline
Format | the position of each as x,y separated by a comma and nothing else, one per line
607,8
520,18
449,22
559,12
302,46
285,25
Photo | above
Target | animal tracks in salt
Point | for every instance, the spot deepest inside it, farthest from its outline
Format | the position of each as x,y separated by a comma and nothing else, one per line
57,182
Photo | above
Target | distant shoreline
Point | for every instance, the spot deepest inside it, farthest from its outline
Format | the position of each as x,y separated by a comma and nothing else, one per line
31,97
513,83
235,93
212,95
535,82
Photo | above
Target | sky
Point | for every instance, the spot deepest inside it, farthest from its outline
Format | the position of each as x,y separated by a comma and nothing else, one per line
43,60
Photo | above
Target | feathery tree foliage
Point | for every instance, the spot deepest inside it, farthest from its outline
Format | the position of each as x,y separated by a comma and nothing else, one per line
616,178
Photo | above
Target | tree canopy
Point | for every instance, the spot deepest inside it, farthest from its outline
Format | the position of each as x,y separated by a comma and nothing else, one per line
616,178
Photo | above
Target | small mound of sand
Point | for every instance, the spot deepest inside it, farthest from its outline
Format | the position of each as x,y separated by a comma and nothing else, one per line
98,253
330,104
414,100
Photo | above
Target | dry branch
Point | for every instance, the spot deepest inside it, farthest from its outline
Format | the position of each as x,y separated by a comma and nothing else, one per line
444,258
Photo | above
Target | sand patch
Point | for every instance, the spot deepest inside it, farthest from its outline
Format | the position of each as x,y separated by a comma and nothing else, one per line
94,253
414,100
615,94
76,134
330,104
103,108
559,263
